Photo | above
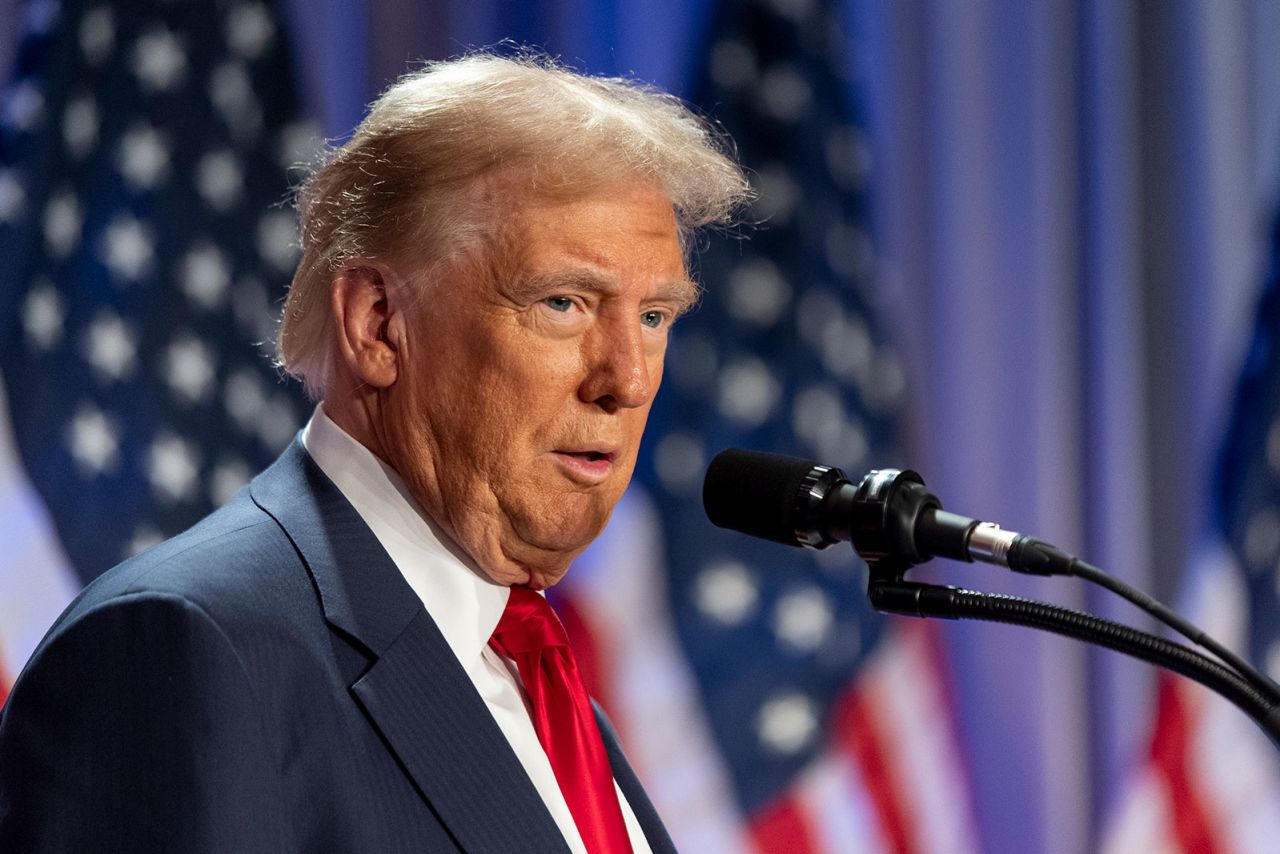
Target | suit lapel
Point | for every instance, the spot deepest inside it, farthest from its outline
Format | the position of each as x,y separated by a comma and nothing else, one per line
415,692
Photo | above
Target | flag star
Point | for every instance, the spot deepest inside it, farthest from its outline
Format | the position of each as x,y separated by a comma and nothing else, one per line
679,460
849,250
206,276
277,240
802,619
817,309
43,313
758,293
111,347
784,93
733,64
849,159
63,219
727,592
299,144
244,398
249,30
159,60
748,392
80,126
883,385
846,347
24,106
189,369
1273,447
94,440
1273,660
228,477
97,34
40,17
277,423
144,537
795,10
818,417
694,361
231,91
778,195
219,180
142,157
1261,539
787,723
253,311
173,468
13,199
128,247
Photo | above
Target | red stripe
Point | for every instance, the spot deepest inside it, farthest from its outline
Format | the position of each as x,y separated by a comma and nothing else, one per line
588,647
859,736
780,828
1171,756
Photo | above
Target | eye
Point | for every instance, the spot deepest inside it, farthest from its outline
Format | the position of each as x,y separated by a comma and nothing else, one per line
560,304
653,319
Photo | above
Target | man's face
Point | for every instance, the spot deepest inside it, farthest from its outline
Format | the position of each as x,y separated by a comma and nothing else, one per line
521,398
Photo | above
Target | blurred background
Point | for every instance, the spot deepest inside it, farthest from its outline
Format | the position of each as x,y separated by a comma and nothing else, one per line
1027,249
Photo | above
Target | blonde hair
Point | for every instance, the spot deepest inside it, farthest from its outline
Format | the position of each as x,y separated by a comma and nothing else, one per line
408,180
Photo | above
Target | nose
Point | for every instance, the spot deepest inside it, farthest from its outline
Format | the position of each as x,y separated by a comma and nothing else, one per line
617,375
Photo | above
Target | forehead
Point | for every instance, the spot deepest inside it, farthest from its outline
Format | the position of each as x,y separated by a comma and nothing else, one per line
611,236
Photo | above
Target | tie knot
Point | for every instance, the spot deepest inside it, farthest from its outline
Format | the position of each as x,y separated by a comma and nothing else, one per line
528,624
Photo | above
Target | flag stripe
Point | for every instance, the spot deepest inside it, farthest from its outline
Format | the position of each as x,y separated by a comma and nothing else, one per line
587,647
618,585
783,827
914,716
1170,753
839,813
862,738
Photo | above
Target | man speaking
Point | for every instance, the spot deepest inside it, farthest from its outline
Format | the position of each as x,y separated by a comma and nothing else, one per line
352,654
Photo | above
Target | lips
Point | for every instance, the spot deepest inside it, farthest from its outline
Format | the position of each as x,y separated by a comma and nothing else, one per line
585,465
590,456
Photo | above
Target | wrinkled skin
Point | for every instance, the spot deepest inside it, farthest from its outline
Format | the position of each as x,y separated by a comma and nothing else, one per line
511,397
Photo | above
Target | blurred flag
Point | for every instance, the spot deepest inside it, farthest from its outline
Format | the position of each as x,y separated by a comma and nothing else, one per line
1211,780
143,155
763,703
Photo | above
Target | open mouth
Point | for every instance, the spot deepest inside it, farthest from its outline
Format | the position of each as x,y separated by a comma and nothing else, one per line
589,466
590,456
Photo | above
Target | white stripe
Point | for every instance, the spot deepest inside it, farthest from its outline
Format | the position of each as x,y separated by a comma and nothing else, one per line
918,743
842,818
620,586
1234,763
36,579
1143,823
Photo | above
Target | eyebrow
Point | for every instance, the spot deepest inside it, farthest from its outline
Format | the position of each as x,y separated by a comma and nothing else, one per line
683,292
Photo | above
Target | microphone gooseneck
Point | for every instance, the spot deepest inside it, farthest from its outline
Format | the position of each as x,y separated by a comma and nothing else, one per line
894,523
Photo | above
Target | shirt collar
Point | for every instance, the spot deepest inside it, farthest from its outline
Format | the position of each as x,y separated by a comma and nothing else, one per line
464,602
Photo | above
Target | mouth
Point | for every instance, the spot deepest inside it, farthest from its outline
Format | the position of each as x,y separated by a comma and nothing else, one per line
589,466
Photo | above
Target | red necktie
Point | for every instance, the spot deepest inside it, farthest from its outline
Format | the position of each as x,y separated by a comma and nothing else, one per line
531,634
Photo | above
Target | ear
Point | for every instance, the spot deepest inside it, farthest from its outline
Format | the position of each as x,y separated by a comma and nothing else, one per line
363,314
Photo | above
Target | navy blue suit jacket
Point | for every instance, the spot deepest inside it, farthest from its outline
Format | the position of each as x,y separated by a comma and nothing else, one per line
266,681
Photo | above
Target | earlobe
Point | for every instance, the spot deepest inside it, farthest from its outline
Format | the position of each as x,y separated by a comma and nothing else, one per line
364,319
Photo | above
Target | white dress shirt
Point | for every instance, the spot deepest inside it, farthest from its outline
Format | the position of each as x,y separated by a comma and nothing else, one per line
463,602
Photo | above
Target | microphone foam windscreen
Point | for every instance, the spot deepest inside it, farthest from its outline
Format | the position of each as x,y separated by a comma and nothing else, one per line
754,493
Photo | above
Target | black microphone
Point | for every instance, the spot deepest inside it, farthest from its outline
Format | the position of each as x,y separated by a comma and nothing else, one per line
889,515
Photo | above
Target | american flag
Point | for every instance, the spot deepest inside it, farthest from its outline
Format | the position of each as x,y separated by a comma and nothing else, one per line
144,149
765,705
1211,780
